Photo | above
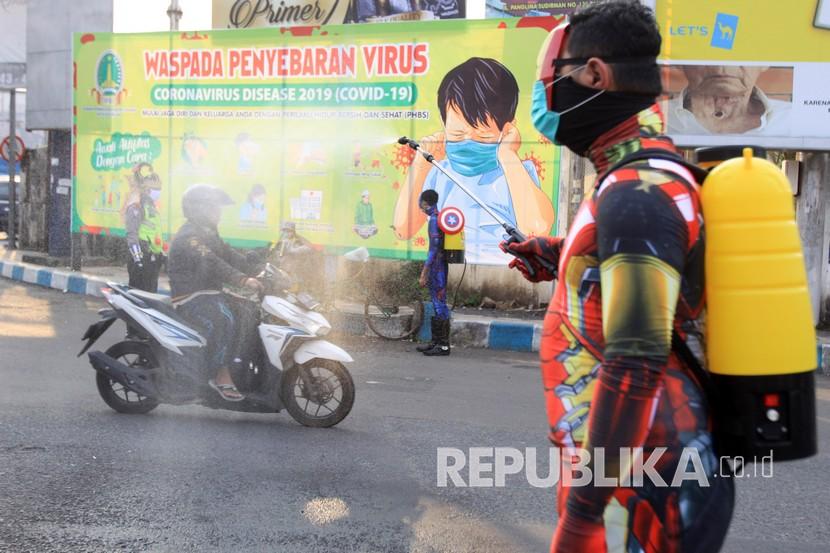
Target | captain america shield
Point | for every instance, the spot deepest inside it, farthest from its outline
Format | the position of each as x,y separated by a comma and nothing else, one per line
451,220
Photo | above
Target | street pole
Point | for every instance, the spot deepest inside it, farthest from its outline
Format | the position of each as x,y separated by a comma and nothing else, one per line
174,12
12,162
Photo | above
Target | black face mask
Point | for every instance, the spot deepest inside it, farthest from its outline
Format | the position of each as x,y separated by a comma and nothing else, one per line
580,127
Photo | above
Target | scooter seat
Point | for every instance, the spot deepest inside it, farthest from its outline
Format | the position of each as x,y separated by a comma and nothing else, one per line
150,296
159,302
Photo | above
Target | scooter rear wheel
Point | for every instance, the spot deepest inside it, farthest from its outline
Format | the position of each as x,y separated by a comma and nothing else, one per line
134,354
319,393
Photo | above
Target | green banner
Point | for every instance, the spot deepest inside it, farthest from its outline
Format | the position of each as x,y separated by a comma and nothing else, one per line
302,124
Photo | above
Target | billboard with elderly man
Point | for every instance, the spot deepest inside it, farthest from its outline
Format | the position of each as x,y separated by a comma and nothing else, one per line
746,71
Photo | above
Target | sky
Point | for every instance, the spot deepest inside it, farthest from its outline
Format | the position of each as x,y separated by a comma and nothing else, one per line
135,16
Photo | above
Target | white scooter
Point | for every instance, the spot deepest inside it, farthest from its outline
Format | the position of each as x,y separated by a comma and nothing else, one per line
287,364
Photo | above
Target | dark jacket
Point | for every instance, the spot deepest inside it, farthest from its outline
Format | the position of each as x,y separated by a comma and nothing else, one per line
201,260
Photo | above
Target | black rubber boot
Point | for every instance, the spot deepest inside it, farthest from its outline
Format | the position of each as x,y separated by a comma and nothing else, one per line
442,342
433,340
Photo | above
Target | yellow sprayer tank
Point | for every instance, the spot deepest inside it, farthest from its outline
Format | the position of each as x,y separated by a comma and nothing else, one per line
760,340
454,246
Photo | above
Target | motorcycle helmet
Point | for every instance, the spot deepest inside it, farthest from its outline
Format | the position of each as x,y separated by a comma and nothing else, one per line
199,199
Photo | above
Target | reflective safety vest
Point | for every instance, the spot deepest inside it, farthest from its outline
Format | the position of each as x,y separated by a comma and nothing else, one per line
150,230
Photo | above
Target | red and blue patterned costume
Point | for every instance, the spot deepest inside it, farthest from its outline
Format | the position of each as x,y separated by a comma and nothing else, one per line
631,271
437,267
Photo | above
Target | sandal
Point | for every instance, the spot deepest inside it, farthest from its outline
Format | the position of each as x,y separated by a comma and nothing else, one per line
227,391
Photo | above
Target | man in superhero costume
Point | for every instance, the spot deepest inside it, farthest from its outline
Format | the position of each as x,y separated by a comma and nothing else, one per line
434,276
630,271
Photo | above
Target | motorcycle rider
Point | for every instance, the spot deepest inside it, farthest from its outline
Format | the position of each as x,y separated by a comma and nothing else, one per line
201,263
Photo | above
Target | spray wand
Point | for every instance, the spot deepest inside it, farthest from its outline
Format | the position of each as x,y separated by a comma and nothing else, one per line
514,234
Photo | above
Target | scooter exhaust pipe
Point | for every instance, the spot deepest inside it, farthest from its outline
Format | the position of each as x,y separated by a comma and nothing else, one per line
135,380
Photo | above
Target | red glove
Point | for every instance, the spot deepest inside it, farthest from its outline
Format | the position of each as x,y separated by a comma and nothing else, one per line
577,535
535,247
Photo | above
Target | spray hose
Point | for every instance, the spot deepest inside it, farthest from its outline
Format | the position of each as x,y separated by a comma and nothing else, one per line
458,287
515,235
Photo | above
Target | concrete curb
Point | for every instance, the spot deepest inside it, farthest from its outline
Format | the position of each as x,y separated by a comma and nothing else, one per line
472,332
58,279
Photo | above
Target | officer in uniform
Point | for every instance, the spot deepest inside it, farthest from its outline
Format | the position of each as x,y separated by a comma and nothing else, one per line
143,225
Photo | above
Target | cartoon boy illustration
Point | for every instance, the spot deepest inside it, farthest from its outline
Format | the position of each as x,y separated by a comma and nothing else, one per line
479,148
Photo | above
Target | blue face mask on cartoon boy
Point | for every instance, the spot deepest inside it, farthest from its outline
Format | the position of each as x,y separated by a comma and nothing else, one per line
155,194
471,158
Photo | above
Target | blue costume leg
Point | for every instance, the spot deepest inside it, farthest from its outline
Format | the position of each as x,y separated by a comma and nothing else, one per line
438,291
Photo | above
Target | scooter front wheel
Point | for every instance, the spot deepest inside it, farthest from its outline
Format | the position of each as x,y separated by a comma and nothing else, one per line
319,393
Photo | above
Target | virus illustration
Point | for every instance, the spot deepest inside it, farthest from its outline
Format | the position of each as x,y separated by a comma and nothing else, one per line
396,185
420,241
403,157
540,167
544,139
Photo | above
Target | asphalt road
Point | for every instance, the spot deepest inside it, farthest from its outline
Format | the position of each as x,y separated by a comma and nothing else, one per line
75,476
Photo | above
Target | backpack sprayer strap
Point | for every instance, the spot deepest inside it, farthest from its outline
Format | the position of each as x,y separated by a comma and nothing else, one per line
656,153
